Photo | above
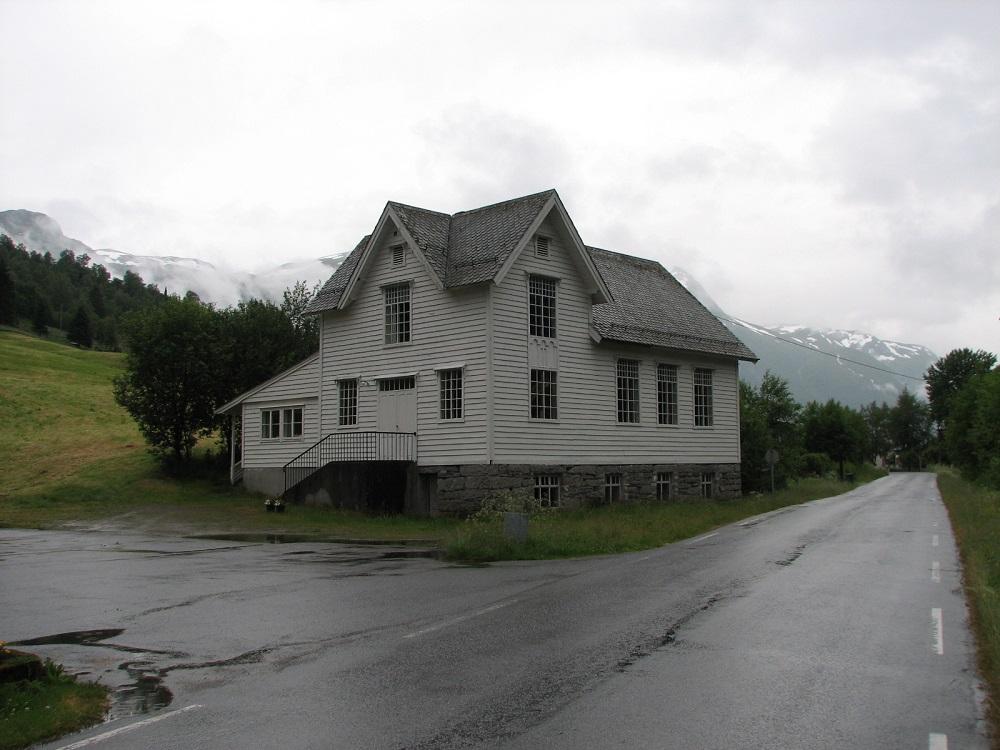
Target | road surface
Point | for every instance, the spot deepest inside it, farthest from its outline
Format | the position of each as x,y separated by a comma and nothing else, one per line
839,623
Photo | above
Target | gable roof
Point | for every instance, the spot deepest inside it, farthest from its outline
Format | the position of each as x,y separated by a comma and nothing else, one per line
229,406
469,247
651,307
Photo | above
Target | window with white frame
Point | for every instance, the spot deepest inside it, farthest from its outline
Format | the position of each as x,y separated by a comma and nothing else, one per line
347,406
703,398
451,393
402,383
707,484
664,485
547,490
666,394
542,307
612,487
270,424
291,422
628,390
544,395
397,313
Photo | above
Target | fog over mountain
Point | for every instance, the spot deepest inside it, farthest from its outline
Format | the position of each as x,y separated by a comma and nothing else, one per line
830,370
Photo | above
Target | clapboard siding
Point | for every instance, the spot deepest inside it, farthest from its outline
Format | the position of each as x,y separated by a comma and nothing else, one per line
298,387
447,327
587,430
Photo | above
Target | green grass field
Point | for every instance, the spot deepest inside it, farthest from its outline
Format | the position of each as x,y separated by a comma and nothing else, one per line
975,519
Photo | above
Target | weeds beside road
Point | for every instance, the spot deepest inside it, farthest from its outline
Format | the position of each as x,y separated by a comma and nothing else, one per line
975,521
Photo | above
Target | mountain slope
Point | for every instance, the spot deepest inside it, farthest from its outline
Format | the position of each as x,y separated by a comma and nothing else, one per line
811,376
221,285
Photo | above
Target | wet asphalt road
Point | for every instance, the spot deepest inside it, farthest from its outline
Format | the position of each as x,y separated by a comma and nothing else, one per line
812,627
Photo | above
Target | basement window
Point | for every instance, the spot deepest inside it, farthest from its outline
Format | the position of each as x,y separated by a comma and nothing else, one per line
664,485
612,488
707,484
547,490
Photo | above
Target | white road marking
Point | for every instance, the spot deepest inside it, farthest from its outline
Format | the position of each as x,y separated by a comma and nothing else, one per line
938,631
644,558
460,618
936,571
934,540
937,742
703,538
128,728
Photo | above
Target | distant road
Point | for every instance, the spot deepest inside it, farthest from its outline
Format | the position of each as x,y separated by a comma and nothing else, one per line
835,624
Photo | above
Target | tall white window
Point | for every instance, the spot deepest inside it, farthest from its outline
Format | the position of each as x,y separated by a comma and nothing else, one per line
347,407
542,307
544,396
397,313
451,393
547,490
703,398
270,424
291,422
666,394
628,390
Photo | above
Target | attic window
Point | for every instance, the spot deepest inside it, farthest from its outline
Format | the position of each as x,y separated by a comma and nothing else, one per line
398,255
541,246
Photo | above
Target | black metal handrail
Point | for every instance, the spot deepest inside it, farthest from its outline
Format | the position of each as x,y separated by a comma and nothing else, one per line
350,446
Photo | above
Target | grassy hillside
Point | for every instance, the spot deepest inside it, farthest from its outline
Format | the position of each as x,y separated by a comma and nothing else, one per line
68,451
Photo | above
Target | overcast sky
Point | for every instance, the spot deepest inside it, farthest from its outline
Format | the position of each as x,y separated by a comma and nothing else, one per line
830,163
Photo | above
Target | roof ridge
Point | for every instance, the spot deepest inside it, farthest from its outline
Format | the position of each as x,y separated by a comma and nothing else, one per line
418,208
509,200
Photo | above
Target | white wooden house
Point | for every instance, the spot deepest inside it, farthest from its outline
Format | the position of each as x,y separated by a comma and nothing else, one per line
492,349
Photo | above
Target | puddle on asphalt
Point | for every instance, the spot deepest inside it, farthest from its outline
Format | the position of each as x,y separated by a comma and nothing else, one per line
308,538
147,693
73,638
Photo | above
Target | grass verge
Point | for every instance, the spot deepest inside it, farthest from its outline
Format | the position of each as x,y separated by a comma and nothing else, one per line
623,528
49,707
975,520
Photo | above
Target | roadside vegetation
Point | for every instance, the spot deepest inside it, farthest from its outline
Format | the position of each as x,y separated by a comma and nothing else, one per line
49,705
974,511
628,527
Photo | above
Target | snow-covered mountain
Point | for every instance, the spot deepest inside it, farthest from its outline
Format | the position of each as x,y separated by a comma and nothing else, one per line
833,373
852,367
218,284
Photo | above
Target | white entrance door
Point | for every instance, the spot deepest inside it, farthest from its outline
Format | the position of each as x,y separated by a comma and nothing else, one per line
397,412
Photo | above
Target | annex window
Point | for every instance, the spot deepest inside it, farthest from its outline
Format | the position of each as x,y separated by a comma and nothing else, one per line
542,307
291,422
702,398
397,313
707,484
544,396
666,394
347,407
451,393
404,383
398,254
612,488
547,490
664,485
541,246
270,424
628,390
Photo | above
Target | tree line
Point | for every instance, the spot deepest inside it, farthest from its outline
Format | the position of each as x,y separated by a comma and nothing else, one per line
959,424
39,292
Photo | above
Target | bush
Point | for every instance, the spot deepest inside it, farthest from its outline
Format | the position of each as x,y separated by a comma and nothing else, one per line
817,464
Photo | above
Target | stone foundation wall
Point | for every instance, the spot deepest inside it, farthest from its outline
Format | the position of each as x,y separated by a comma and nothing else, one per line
460,489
